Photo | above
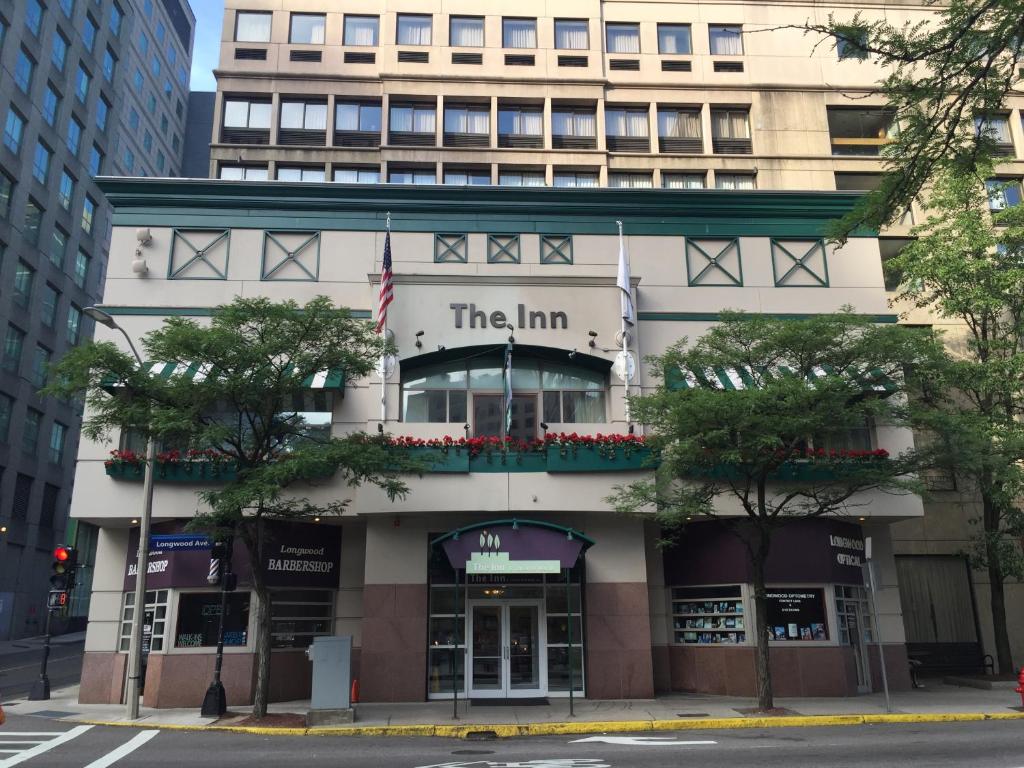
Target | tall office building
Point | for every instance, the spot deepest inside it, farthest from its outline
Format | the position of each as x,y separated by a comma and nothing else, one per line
89,88
624,93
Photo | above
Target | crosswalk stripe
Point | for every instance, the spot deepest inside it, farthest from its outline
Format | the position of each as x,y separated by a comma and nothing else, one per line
125,749
46,746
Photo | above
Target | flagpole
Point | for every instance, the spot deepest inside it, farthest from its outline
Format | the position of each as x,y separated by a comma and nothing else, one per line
625,335
384,354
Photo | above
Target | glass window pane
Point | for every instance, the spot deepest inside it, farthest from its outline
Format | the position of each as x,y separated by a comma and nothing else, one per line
259,115
571,34
519,33
482,377
623,38
552,409
572,377
414,30
467,31
236,114
726,40
361,30
252,27
292,114
308,28
583,407
674,38
457,408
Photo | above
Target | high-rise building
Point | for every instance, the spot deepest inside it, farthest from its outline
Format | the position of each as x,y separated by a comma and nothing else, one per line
86,89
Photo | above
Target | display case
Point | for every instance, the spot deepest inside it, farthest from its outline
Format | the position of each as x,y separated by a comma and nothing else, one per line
709,615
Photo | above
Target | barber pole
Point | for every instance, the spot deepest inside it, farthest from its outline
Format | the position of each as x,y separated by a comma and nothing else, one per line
213,577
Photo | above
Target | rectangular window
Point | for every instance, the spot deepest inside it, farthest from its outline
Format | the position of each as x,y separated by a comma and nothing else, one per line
74,325
33,221
199,620
109,65
40,365
58,437
243,172
682,180
572,34
357,117
14,341
413,118
155,618
730,131
49,301
1003,193
24,68
116,17
24,277
860,132
631,180
679,123
469,119
239,113
997,129
74,138
517,178
143,44
6,191
734,180
521,121
307,28
412,176
33,16
88,214
575,179
68,6
466,32
58,247
66,190
252,27
627,122
623,38
51,103
709,615
102,112
89,33
48,508
6,406
573,122
82,81
303,116
726,39
298,173
14,129
852,47
59,50
41,162
467,176
519,33
414,29
95,161
81,268
22,497
674,39
361,30
357,175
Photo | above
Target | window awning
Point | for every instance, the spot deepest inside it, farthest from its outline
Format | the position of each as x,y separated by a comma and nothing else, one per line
741,377
327,381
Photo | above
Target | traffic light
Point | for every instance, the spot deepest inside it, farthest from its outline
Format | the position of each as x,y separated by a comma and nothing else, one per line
65,562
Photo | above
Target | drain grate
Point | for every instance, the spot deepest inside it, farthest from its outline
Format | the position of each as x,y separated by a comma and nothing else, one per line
481,736
50,713
692,714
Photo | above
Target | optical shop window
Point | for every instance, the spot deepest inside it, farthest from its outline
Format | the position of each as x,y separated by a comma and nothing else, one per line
709,615
199,620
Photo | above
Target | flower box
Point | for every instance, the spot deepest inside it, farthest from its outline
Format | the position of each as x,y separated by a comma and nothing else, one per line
604,458
450,460
174,472
509,461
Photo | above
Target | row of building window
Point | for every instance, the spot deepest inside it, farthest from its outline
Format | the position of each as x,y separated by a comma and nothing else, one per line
468,32
20,502
31,430
32,221
507,176
35,10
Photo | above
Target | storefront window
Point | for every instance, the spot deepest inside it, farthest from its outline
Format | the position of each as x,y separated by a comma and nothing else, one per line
154,626
796,614
852,610
199,620
299,615
709,615
451,392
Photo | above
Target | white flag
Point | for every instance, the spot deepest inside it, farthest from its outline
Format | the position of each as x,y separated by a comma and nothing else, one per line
623,281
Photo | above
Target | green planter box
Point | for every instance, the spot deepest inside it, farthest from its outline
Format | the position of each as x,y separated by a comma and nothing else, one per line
585,458
513,461
790,472
439,460
185,472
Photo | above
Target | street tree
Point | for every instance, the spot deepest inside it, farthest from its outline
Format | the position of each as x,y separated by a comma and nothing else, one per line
967,266
943,78
255,355
762,455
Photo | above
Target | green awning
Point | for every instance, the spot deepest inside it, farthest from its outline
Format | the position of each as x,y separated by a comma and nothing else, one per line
740,377
327,381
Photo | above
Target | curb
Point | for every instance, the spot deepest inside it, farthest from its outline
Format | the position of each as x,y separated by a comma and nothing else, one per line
506,730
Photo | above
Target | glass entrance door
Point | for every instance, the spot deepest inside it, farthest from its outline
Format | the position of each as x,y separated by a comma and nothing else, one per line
507,649
489,413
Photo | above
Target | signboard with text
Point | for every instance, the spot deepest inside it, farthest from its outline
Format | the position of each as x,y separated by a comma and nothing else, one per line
796,614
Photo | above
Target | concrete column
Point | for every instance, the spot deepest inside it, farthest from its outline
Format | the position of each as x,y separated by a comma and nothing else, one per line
493,141
652,130
547,123
275,116
385,117
705,127
439,122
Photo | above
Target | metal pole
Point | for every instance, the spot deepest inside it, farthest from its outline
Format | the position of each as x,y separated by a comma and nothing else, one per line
41,687
878,636
384,356
142,566
215,703
568,611
455,654
625,341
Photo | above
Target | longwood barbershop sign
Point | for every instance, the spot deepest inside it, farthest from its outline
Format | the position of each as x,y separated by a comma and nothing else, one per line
523,317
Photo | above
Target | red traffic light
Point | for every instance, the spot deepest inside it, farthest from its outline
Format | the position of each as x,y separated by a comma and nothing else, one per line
62,554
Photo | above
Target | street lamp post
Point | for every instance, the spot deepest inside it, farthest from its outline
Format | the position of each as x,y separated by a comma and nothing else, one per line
142,563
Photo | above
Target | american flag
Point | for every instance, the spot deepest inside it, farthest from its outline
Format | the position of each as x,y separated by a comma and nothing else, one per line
387,288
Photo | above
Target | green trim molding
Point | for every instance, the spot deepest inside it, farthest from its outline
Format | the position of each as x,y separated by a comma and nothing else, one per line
714,317
213,203
127,311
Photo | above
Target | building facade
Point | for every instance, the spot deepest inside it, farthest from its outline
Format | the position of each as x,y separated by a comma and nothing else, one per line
70,113
520,552
621,93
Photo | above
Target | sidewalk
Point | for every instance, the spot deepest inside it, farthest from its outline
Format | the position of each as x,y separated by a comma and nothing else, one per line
13,647
937,702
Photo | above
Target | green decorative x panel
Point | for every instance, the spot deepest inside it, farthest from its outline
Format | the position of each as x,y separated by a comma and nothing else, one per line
556,249
199,254
503,249
800,263
450,248
714,262
289,255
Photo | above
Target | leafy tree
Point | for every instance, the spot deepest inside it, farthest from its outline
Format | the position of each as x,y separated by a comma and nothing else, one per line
736,455
940,75
255,355
968,266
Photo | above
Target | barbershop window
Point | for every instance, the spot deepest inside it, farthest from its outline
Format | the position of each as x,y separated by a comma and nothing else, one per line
299,615
471,392
154,624
199,620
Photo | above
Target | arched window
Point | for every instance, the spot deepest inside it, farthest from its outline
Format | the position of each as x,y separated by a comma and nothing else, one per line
470,391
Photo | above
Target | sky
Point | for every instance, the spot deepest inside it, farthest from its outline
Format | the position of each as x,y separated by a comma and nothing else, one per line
206,52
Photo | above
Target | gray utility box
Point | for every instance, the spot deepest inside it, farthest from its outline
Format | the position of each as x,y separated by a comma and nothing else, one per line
332,680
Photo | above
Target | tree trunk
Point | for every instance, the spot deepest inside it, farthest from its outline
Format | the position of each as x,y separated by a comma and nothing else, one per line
759,554
997,594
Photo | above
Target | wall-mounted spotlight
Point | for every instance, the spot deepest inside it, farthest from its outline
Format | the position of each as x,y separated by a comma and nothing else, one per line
544,426
511,338
419,344
380,427
465,428
440,347
593,339
144,238
572,355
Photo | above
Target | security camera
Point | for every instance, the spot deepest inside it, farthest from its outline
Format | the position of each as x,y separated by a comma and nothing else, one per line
143,235
593,339
419,344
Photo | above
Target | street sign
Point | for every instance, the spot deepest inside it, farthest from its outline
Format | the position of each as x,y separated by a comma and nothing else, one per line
180,541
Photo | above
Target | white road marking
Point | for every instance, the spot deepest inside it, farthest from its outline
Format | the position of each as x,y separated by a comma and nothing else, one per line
642,741
45,746
125,749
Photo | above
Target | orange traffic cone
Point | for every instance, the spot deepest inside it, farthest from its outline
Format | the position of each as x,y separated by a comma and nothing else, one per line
354,693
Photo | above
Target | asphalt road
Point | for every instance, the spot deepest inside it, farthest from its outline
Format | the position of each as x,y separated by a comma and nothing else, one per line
37,742
19,670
